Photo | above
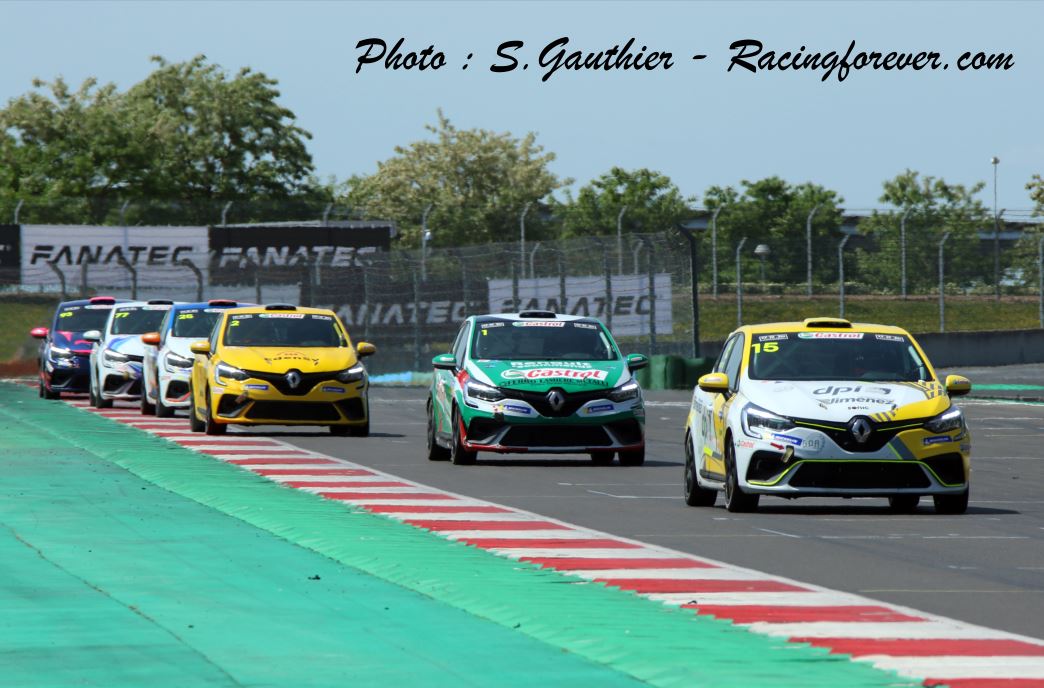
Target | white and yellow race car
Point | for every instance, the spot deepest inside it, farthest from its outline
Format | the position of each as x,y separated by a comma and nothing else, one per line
826,408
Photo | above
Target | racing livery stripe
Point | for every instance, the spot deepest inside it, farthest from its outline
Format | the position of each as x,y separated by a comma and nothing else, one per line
933,650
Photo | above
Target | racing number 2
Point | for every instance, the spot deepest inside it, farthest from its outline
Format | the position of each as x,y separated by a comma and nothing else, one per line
767,347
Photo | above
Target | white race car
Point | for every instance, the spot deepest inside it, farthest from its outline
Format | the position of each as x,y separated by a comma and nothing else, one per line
826,408
167,367
117,351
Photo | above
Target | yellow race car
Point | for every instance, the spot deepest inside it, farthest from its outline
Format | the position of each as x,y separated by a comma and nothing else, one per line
279,365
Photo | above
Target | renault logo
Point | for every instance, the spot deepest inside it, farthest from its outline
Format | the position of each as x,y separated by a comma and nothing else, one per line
861,429
556,399
293,378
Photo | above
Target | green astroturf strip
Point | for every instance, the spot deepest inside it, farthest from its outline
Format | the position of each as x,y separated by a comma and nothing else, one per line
130,567
1013,388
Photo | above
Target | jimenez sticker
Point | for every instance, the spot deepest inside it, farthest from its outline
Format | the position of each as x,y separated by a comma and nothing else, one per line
830,335
546,373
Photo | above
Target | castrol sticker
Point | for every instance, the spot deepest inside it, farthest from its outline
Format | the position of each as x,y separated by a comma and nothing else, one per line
562,373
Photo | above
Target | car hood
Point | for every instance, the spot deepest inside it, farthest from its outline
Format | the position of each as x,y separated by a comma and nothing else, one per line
281,359
839,400
129,344
73,341
540,376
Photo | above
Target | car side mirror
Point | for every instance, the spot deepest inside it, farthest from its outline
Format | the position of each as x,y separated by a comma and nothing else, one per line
637,361
201,346
92,335
365,349
714,383
444,362
957,385
39,332
151,338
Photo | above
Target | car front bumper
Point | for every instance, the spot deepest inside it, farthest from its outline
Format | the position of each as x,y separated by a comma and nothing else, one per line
255,402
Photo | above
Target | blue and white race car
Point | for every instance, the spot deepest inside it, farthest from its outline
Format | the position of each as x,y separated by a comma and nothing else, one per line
167,367
117,354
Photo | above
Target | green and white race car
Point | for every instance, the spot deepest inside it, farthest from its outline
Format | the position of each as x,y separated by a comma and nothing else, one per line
536,382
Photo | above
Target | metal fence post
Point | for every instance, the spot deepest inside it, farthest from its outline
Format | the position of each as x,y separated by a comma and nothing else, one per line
185,262
416,324
608,289
619,240
18,209
808,246
133,275
902,252
224,216
841,271
652,297
739,282
367,315
714,254
464,284
522,238
83,278
61,276
514,286
942,286
694,301
532,258
562,306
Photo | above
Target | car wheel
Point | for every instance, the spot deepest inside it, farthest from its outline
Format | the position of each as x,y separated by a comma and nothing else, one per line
210,425
458,454
359,430
951,504
195,424
904,503
632,457
93,398
736,500
694,494
101,402
602,458
339,430
147,409
436,452
50,394
162,410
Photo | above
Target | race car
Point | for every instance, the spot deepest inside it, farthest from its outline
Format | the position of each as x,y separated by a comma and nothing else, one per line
536,381
168,361
64,356
279,365
826,408
117,352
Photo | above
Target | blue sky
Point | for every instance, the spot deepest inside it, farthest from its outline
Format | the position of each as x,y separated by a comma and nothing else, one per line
695,122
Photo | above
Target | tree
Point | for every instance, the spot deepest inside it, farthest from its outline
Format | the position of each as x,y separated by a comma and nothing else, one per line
477,183
773,212
188,132
933,207
653,204
1036,189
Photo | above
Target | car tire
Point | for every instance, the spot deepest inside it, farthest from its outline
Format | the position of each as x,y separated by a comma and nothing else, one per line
602,458
211,426
903,503
99,402
632,457
951,504
46,393
736,500
458,454
195,424
162,410
359,430
147,409
436,452
694,494
339,430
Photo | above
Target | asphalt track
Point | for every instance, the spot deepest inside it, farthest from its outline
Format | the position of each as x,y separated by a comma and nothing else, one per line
985,567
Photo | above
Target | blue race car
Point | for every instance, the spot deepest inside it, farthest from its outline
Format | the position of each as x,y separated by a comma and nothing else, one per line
64,353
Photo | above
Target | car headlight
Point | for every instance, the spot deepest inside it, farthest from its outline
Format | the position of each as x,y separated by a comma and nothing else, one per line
224,372
175,363
950,419
111,357
478,390
353,374
59,352
628,390
756,418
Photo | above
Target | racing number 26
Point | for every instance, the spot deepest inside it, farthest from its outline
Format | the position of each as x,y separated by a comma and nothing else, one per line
767,347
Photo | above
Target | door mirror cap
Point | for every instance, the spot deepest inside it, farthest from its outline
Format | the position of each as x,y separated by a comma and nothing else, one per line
201,346
39,332
151,338
714,383
365,349
637,361
957,385
444,362
92,335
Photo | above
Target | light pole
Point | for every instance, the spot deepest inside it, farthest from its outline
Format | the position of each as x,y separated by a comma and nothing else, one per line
739,282
714,249
762,251
688,230
619,241
849,230
996,231
522,239
425,238
808,246
902,252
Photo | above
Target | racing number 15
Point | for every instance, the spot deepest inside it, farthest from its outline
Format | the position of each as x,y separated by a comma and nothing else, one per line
768,347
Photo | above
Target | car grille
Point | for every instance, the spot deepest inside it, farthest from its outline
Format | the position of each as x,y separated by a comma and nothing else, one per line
308,381
134,358
69,380
293,411
881,435
556,436
859,475
948,467
628,432
114,384
177,389
353,409
764,466
538,400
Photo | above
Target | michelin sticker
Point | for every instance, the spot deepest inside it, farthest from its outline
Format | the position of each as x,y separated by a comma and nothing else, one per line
601,408
937,440
257,387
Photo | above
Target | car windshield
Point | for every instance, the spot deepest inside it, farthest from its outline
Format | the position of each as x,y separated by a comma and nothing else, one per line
81,318
551,340
196,323
835,356
138,319
283,329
